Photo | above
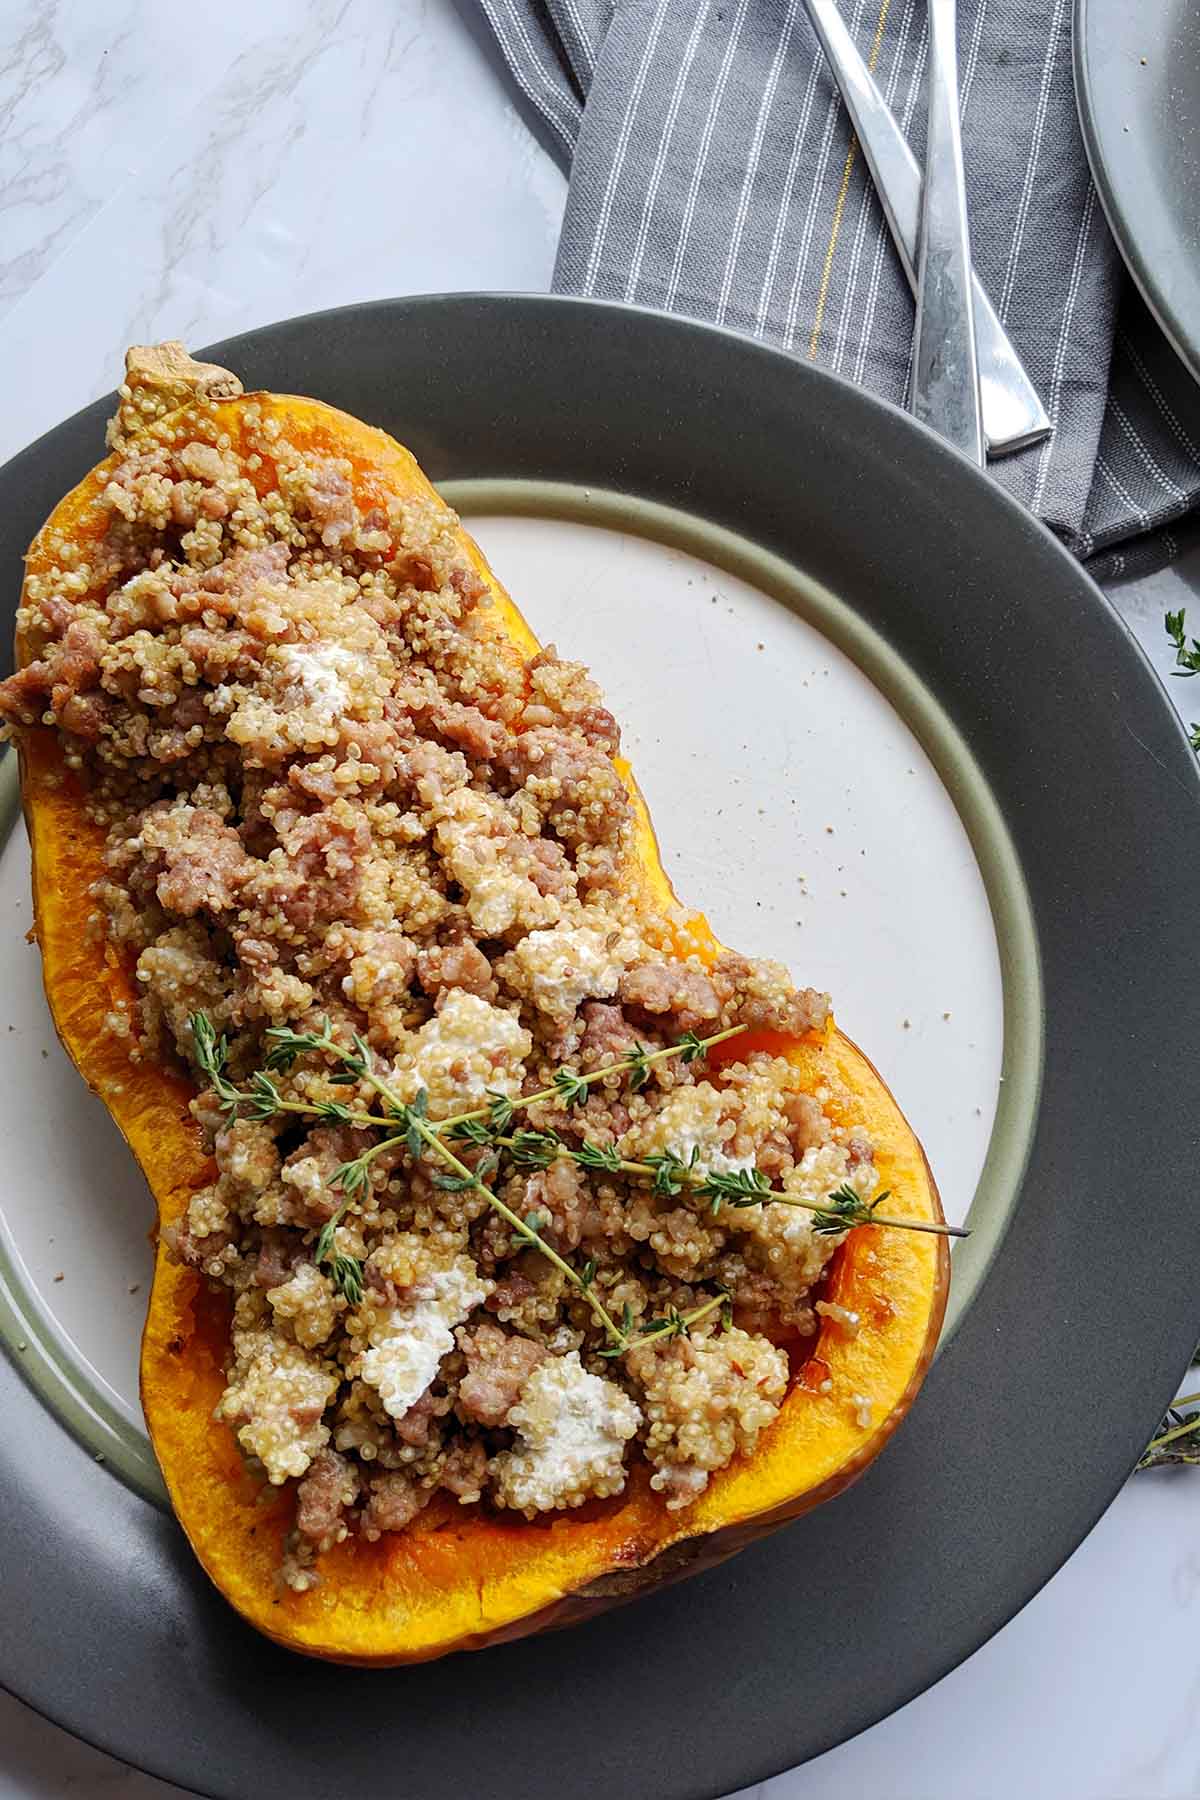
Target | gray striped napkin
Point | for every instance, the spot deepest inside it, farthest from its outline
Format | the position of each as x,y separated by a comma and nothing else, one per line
714,173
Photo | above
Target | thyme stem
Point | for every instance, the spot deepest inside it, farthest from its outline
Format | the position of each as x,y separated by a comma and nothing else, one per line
360,1061
313,1109
695,1178
929,1225
406,1126
674,1327
1192,1424
426,1131
354,1117
689,1045
345,1272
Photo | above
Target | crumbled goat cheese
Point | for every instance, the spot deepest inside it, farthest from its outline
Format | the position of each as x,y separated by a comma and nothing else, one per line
305,1174
795,1253
572,1429
826,1167
409,1342
558,969
465,1049
304,694
318,673
472,834
709,1159
241,1160
690,1122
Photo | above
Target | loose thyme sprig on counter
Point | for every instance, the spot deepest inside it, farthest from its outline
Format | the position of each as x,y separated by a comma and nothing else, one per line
1187,662
1178,1439
487,1129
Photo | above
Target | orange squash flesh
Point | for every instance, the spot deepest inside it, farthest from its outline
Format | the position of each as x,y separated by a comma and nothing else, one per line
459,1578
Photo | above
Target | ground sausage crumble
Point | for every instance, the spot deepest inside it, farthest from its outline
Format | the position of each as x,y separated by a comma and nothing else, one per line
334,791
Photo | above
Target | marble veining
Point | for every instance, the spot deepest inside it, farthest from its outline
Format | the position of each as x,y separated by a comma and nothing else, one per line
174,170
289,157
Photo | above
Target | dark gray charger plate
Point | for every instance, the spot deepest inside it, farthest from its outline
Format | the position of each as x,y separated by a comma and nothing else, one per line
1035,1411
1137,81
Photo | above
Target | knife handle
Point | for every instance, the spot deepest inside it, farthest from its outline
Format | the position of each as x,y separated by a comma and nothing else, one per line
1013,416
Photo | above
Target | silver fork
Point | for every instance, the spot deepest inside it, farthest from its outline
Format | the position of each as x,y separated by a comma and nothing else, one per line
1013,416
945,391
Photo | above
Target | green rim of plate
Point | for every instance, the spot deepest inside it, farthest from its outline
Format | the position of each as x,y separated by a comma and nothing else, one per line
60,1376
1012,915
36,1347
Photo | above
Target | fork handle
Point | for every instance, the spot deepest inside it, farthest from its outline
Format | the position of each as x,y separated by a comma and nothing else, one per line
945,364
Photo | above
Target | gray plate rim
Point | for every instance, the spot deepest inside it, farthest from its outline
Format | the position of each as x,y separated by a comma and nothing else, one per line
1117,139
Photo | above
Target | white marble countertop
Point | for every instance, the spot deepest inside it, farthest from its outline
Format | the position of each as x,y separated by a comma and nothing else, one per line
168,171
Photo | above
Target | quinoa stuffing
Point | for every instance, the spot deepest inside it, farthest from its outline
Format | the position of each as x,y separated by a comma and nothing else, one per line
346,816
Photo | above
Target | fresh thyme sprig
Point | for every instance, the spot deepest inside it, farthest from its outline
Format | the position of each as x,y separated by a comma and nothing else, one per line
262,1099
212,1055
487,1127
1178,1438
1187,656
1187,662
405,1125
571,1087
668,1174
357,1064
672,1324
413,1128
840,1211
568,1085
345,1272
675,1324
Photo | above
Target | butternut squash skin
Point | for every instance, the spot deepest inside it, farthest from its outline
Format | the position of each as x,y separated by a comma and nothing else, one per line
458,1578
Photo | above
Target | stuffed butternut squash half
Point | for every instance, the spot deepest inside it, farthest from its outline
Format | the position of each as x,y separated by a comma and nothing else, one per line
520,1247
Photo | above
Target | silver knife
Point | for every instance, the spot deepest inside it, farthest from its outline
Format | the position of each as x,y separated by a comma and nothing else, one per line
945,383
1013,416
